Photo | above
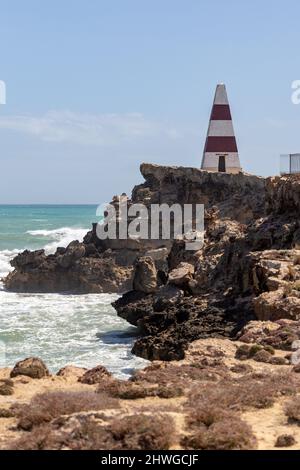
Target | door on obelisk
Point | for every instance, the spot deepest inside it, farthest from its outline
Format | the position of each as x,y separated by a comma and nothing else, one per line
222,164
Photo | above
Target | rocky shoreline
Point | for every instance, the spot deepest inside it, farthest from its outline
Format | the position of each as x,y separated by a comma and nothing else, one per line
221,325
248,268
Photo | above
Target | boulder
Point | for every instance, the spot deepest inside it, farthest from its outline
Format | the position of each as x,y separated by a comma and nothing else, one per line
295,345
275,305
262,356
181,275
145,275
95,375
32,367
295,358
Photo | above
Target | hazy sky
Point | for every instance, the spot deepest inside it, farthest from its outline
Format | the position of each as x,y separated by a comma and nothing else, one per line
96,87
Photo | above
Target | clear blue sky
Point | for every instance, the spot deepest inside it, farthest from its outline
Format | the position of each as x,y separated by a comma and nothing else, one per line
95,87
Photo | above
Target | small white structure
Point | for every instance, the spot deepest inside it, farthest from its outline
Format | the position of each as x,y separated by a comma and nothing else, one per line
220,151
290,164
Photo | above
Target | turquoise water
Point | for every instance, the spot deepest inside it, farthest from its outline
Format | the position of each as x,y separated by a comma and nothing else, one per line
61,329
34,226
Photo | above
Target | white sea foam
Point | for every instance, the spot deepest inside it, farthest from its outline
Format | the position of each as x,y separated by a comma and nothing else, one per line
63,329
5,257
60,236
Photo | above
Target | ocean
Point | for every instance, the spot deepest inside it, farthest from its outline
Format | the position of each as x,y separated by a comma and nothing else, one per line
61,329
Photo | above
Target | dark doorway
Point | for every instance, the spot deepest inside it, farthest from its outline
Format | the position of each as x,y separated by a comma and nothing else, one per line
222,166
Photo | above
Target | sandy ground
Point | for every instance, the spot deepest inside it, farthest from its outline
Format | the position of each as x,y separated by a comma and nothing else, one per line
267,424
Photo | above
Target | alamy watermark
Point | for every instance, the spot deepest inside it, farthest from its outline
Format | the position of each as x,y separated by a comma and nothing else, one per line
123,220
295,97
2,92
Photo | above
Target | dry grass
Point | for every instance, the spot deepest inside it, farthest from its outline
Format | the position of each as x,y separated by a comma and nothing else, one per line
127,390
248,391
292,410
180,375
285,440
46,406
137,432
212,427
227,434
249,351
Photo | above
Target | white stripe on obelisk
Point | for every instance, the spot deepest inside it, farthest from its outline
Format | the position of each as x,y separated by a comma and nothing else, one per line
220,129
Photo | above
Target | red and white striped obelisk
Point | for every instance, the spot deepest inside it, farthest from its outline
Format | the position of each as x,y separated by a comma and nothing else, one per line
220,151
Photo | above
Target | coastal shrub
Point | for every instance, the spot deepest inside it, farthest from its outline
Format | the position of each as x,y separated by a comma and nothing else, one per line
143,432
206,414
263,356
285,440
292,410
180,376
6,413
229,433
169,392
136,432
6,389
241,368
248,391
127,390
47,406
246,351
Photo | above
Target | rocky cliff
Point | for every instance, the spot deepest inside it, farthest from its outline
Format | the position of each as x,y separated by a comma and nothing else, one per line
248,268
106,265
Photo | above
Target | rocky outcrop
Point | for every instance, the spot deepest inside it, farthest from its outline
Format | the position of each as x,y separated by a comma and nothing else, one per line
243,272
70,269
106,265
247,268
145,276
240,197
95,375
31,367
283,194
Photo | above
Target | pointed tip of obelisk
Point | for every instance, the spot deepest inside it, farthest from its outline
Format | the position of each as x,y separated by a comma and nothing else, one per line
221,94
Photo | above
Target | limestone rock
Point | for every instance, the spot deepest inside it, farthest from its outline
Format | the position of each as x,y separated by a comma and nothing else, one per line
32,367
166,296
95,375
74,252
181,275
145,275
295,358
295,345
275,305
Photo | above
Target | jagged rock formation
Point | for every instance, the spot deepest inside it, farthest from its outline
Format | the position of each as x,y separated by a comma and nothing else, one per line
107,265
243,272
248,267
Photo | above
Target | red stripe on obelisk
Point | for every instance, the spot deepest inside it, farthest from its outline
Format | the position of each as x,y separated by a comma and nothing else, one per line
220,112
220,144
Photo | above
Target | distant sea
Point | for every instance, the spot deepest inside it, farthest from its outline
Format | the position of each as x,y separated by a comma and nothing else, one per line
61,329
